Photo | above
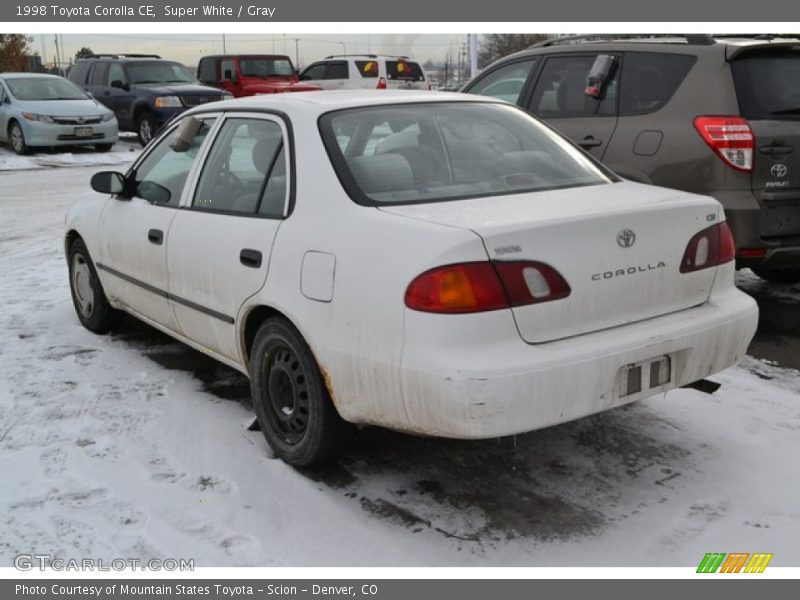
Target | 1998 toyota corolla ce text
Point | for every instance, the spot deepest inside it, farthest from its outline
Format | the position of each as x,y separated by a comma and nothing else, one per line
433,263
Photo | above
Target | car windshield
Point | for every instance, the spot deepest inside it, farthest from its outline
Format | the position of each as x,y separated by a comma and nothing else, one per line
438,151
44,88
266,67
159,72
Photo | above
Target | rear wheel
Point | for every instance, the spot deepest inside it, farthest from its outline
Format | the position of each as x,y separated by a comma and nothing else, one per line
17,139
779,275
295,412
88,297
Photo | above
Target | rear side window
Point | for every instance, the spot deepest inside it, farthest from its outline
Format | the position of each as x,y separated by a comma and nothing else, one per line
768,85
367,68
98,76
505,82
560,91
402,69
649,80
336,70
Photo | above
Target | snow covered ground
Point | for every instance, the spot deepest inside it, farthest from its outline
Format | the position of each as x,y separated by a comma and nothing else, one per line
123,152
134,446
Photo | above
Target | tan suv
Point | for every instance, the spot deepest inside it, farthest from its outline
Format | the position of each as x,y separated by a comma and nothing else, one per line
710,115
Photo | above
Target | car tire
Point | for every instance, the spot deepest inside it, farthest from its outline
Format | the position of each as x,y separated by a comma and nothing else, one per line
90,302
103,147
145,128
16,138
778,275
292,403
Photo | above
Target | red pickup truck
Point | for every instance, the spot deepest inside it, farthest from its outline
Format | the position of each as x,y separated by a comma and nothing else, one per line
251,74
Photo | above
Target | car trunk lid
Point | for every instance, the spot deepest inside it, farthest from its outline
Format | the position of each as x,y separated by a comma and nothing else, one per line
618,246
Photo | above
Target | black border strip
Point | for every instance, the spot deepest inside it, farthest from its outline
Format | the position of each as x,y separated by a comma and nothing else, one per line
188,303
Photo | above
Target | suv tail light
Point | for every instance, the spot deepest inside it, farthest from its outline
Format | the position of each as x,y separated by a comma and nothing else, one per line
731,138
483,286
382,83
709,248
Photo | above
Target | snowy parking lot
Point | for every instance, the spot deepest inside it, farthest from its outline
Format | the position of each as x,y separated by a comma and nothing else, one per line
132,445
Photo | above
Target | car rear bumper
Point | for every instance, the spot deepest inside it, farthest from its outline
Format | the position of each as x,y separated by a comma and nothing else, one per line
49,134
502,386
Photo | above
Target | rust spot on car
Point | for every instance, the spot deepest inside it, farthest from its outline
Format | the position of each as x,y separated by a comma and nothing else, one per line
326,380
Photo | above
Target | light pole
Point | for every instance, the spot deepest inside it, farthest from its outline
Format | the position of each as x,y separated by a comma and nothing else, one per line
344,48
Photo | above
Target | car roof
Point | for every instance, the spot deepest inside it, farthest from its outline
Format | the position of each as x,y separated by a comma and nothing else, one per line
319,102
29,75
244,55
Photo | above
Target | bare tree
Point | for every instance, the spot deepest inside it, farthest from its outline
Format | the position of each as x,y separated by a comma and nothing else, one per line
13,52
498,45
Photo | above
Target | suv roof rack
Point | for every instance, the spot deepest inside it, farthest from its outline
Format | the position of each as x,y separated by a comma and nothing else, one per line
123,56
694,39
366,56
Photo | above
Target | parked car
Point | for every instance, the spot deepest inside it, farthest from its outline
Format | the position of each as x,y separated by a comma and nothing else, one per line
430,262
366,72
47,110
144,90
251,74
716,116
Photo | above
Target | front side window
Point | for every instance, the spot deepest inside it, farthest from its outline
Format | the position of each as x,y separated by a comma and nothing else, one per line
245,172
561,90
116,73
448,151
505,82
161,176
316,71
227,70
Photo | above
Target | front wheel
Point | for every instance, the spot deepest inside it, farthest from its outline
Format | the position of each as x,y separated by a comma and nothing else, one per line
17,138
88,297
787,275
293,406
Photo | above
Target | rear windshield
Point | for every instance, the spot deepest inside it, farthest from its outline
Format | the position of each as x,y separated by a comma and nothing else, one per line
44,88
768,85
402,69
428,152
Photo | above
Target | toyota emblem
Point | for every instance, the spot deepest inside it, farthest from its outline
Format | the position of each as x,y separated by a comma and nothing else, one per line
779,170
626,238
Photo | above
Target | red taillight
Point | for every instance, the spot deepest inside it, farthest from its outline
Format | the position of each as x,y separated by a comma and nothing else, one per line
731,138
752,252
709,248
382,83
483,286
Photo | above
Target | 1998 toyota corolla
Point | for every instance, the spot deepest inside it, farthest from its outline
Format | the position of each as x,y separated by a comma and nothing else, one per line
433,263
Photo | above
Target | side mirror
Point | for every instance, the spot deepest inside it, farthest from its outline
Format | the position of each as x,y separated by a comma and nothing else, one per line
229,75
108,182
185,134
119,84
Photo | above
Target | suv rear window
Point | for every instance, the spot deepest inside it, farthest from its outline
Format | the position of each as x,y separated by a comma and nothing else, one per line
367,68
650,79
768,84
403,69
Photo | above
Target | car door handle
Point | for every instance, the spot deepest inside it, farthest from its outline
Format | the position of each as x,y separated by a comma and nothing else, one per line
155,236
589,142
776,150
250,258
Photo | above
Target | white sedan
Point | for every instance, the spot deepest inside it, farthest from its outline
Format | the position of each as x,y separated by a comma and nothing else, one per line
435,263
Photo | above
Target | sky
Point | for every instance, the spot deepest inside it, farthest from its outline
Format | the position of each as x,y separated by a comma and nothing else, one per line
190,47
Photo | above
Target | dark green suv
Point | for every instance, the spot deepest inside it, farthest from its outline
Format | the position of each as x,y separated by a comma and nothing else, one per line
710,115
